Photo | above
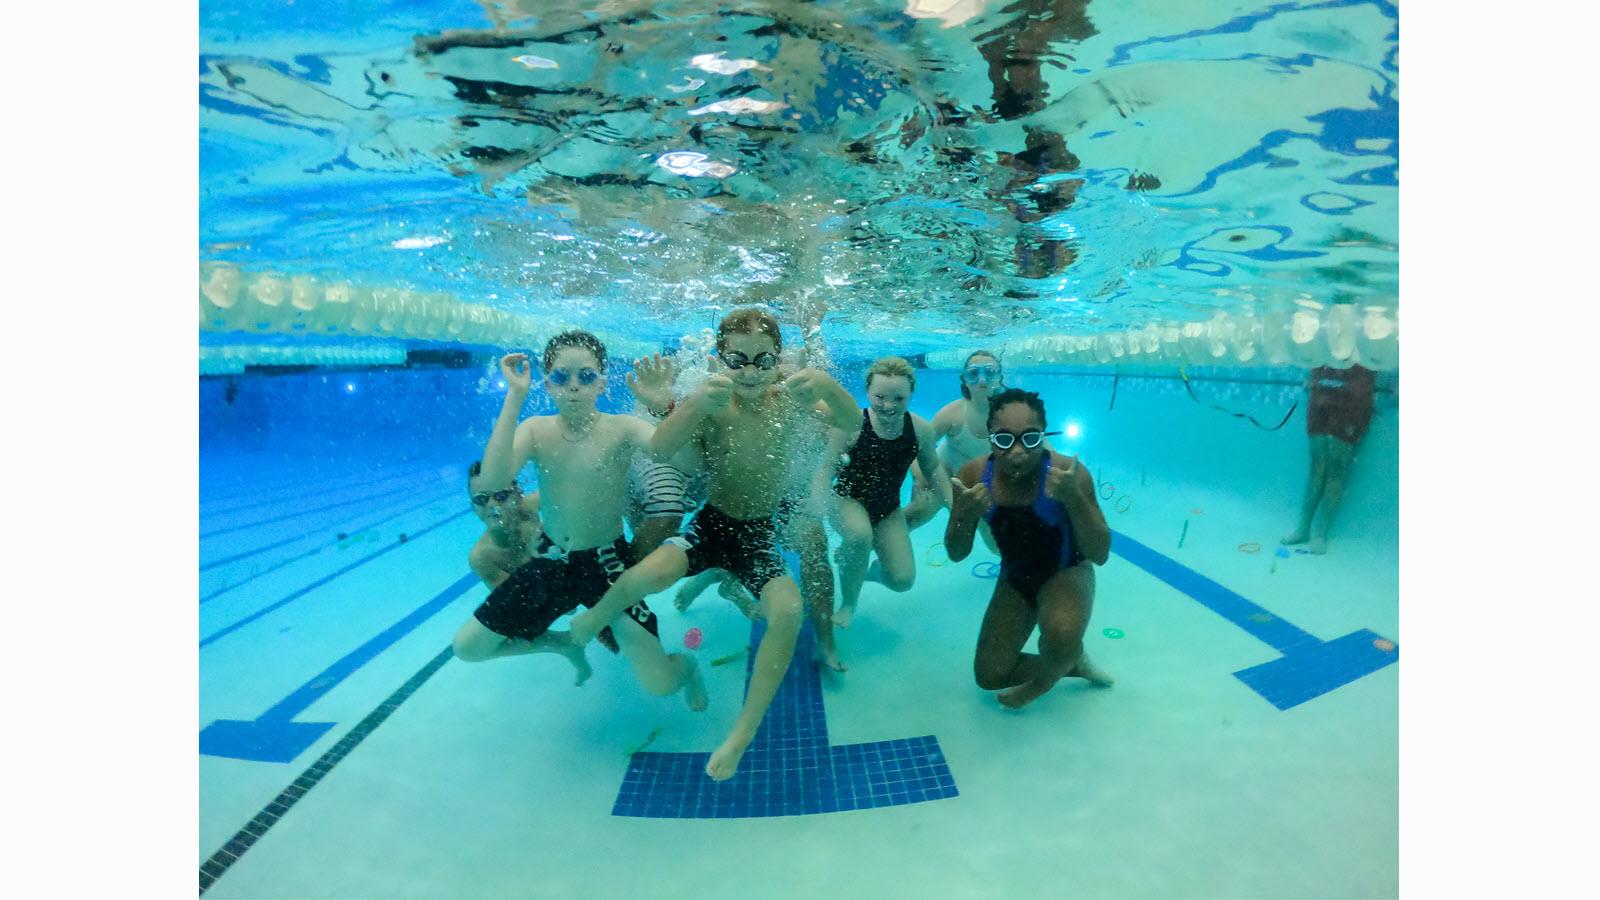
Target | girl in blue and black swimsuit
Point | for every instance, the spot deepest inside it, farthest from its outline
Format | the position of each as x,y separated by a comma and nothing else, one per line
1042,510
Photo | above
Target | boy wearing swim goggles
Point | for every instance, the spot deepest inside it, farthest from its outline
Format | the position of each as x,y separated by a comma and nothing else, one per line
583,457
747,428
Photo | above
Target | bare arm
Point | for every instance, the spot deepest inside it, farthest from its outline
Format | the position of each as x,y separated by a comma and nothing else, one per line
1071,484
969,502
510,447
928,458
684,423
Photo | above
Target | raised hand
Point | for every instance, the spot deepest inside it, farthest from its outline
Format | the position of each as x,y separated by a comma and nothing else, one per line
806,386
1060,484
969,502
517,371
651,380
717,393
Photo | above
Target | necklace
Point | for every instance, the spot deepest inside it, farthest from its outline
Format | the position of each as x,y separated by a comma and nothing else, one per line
574,440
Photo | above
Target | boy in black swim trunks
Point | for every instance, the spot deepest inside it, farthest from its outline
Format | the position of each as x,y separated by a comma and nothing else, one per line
583,457
746,427
1042,510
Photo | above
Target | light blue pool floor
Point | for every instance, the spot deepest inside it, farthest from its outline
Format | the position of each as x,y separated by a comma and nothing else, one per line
404,773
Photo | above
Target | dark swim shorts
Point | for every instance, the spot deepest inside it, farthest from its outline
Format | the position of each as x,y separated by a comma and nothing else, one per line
746,547
555,582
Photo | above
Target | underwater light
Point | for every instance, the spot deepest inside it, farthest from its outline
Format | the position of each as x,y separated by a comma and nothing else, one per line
1073,431
349,387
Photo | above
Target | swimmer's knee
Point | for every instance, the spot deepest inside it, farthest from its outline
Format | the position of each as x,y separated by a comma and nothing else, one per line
469,647
783,609
989,676
899,580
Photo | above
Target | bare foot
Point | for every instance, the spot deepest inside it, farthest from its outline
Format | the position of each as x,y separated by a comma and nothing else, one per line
725,760
1318,545
561,643
694,690
843,615
691,589
1025,693
735,593
1297,536
1086,669
828,656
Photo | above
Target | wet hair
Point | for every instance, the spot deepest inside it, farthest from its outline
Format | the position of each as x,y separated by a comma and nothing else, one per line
965,392
476,471
748,321
892,367
1014,395
574,338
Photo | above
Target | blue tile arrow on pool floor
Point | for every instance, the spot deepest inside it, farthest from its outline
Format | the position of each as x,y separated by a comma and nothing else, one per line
790,769
1308,668
274,736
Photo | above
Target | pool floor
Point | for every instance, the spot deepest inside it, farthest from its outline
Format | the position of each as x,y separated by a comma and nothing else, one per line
344,753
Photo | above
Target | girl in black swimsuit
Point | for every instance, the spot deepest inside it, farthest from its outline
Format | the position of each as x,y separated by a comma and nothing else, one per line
1041,507
867,509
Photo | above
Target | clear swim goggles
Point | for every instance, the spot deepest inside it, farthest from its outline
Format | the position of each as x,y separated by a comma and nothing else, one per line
985,374
1005,440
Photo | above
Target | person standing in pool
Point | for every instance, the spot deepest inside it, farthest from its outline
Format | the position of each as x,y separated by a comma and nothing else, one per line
746,427
877,454
1337,415
1042,510
962,426
583,457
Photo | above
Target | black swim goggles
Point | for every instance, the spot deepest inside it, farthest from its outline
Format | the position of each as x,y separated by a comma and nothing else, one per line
482,498
736,361
560,377
1004,440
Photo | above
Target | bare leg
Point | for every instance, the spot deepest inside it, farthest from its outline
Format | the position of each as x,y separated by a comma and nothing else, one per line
1065,602
1000,662
658,672
476,643
896,566
805,535
780,600
924,505
855,532
1337,470
1313,495
649,534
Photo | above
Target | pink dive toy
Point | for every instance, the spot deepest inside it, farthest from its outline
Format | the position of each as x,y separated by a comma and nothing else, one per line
691,639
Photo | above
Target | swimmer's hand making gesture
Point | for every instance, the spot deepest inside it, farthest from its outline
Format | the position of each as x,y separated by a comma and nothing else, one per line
651,382
516,369
1061,483
969,502
713,397
968,505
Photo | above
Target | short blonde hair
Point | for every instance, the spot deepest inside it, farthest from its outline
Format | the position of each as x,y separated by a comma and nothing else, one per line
892,367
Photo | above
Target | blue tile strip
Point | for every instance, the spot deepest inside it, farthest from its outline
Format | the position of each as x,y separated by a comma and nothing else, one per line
1308,668
274,736
790,769
256,828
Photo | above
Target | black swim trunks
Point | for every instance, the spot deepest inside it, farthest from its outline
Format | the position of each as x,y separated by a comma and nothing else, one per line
555,582
746,547
877,468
